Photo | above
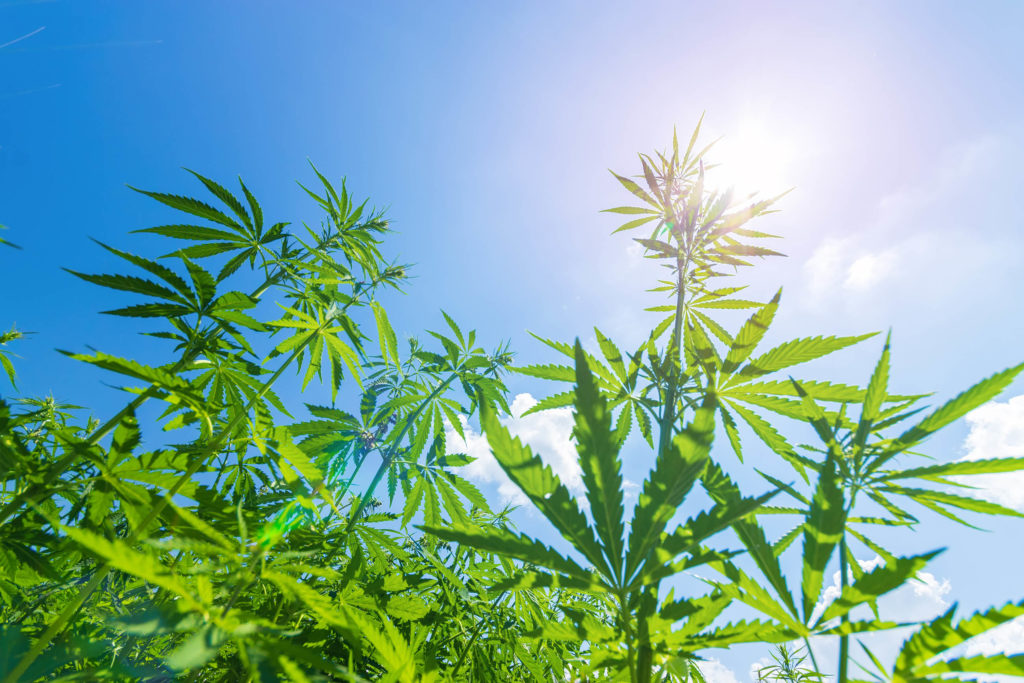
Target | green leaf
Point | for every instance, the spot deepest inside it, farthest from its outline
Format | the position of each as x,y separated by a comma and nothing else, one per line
190,206
750,335
965,402
940,635
225,196
508,543
873,397
197,650
128,283
963,467
560,373
541,486
795,352
193,232
385,335
677,469
598,449
636,190
875,583
826,521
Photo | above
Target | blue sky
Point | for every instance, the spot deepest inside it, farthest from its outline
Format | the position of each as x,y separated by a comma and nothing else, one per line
487,130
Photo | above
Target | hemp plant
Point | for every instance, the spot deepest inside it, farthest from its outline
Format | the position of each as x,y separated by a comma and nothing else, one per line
212,530
704,372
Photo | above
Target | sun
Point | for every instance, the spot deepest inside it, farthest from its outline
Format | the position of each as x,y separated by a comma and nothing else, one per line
752,160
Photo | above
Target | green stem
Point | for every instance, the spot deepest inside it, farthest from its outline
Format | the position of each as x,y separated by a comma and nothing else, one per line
627,629
645,655
844,640
810,652
673,353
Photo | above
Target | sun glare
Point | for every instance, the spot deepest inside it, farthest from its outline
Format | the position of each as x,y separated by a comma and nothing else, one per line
751,160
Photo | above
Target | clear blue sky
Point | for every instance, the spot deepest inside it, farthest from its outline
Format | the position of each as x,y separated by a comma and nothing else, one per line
487,130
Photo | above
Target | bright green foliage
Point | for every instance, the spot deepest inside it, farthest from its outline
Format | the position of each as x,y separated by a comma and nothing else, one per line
929,654
789,666
266,544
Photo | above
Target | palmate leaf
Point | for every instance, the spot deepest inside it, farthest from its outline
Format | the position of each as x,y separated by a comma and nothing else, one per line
965,402
775,441
222,194
750,335
736,633
964,467
940,636
158,269
542,487
932,499
745,589
191,206
598,447
724,491
677,469
128,283
822,531
558,373
873,398
511,544
698,612
688,537
386,335
136,370
120,556
193,232
793,353
820,391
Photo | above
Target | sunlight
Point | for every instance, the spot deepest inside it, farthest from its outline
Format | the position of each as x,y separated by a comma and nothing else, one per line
752,160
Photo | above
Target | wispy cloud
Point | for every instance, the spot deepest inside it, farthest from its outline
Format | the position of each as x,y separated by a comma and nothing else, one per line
22,37
919,233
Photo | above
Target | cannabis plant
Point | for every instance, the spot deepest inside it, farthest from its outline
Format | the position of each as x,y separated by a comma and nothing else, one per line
208,530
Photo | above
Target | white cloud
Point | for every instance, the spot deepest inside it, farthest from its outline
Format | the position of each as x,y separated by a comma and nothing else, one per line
997,431
931,589
915,232
549,435
758,665
842,264
716,672
1005,639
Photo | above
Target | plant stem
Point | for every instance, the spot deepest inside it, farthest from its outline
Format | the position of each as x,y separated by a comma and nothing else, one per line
810,652
844,640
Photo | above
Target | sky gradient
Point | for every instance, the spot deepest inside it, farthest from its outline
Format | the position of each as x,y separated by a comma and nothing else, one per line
487,131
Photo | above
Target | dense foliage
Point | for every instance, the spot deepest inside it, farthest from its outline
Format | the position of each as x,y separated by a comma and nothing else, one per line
217,537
